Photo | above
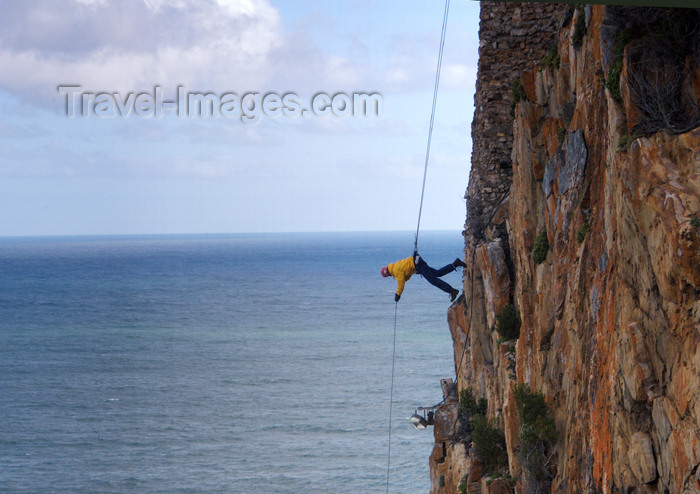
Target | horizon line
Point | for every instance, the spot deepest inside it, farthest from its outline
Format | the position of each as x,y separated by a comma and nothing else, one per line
215,234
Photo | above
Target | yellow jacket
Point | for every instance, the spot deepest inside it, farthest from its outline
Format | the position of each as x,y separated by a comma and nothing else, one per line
402,271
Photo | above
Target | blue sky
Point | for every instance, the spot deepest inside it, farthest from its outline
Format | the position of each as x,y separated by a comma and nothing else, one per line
171,174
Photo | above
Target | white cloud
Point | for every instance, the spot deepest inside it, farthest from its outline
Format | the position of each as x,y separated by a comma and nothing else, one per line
210,45
217,45
126,45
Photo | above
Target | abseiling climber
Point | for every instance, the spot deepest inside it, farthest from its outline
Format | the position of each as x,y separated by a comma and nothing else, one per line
403,270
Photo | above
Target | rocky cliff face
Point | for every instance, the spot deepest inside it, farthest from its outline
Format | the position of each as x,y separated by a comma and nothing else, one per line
610,311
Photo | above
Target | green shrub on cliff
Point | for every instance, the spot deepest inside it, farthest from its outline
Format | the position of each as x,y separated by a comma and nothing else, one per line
517,94
538,431
551,59
468,405
581,233
489,442
541,247
612,82
508,322
626,140
579,28
463,484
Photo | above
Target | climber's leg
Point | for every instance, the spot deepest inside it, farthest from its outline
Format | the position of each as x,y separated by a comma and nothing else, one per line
433,276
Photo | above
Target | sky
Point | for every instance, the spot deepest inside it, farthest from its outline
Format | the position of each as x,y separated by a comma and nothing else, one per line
85,150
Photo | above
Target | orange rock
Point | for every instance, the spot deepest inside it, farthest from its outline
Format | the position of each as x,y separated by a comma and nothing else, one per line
499,486
528,81
477,470
495,277
632,111
550,135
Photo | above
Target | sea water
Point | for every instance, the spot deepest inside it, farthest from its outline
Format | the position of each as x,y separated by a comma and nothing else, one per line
218,363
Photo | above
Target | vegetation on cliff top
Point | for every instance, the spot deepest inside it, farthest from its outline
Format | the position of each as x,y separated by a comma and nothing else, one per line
658,51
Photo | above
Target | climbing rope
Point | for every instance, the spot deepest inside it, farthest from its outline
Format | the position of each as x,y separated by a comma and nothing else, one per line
391,398
432,117
420,212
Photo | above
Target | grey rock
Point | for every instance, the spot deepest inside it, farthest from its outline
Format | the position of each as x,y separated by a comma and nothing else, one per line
571,174
550,171
602,263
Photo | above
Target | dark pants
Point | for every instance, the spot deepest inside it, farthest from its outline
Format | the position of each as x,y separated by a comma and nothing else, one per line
433,275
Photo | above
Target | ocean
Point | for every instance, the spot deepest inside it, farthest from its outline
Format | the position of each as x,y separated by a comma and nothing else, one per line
243,363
